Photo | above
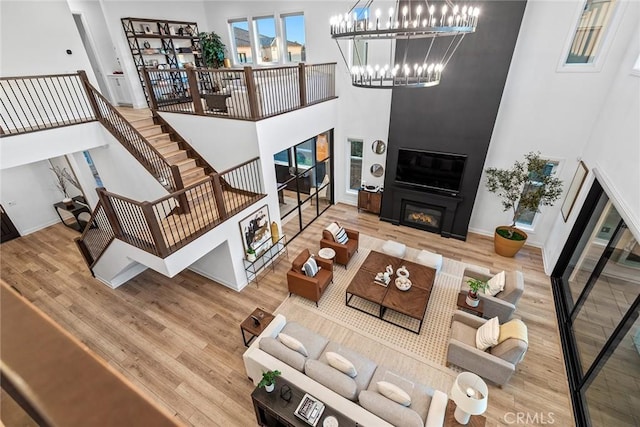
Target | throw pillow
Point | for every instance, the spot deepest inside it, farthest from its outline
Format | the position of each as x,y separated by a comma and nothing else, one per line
393,392
487,335
293,344
310,267
341,364
342,237
496,284
333,228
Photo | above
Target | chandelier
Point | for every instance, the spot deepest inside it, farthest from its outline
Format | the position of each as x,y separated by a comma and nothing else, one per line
433,32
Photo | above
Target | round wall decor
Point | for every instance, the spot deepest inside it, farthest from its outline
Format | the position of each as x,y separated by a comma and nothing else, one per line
377,170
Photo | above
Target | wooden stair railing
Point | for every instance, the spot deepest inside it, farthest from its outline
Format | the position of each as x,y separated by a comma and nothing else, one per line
157,227
130,138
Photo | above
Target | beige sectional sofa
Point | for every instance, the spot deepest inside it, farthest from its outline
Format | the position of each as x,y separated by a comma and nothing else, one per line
357,397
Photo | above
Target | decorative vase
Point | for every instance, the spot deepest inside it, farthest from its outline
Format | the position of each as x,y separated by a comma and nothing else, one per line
227,63
507,247
269,388
251,256
68,201
472,299
275,233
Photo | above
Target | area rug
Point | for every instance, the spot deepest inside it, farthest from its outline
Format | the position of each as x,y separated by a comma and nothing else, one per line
431,344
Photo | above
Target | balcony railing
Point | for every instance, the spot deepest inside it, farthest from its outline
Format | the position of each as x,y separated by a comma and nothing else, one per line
32,103
247,94
164,226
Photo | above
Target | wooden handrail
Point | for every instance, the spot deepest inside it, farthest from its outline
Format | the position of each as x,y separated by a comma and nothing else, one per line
130,146
42,76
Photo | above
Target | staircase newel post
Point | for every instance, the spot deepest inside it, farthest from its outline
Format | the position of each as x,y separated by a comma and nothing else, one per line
110,212
149,88
302,83
179,185
88,90
161,247
194,90
217,192
251,92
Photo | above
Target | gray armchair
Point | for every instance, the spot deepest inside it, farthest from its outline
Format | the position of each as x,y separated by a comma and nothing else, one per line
497,364
504,303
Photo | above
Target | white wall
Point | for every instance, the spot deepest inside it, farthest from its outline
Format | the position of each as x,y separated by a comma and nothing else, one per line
553,112
26,148
223,143
361,113
34,37
114,10
27,194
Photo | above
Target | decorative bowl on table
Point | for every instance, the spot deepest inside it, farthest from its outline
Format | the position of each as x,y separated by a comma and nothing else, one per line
403,283
403,272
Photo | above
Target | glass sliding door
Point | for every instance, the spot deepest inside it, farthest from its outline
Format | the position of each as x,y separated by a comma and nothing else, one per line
304,175
597,283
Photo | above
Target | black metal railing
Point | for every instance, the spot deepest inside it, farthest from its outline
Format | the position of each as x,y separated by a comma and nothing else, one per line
96,236
34,103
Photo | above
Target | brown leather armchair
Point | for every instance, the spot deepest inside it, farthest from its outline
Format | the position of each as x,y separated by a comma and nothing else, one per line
309,287
343,252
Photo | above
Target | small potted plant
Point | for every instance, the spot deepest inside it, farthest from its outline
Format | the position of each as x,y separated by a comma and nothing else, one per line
474,286
251,254
268,380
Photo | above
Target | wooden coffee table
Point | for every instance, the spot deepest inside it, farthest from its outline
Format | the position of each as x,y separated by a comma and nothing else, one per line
412,303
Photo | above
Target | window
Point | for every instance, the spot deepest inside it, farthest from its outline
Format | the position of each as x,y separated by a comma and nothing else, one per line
241,41
526,217
590,32
355,164
267,41
263,37
294,38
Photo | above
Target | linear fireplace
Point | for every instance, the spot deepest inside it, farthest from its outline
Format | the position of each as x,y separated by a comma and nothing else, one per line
422,216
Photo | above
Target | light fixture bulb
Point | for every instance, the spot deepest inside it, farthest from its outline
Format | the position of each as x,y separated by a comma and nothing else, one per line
476,11
390,12
378,13
455,9
424,22
404,11
419,9
432,9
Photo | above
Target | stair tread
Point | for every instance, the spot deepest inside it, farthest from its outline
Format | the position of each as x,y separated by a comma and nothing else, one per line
185,161
160,135
174,153
197,179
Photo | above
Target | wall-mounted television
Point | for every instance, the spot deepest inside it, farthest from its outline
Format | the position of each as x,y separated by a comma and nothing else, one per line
430,170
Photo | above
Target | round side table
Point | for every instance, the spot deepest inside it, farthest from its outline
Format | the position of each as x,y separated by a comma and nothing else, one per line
327,253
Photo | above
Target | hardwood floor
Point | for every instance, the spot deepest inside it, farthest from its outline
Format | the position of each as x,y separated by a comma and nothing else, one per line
178,339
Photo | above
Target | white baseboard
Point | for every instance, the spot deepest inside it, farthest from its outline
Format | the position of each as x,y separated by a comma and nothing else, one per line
218,280
39,227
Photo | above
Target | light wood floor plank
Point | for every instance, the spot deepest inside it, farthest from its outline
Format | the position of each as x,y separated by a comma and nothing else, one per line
178,339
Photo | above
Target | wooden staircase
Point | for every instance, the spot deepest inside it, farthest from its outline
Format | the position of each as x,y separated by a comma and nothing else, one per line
193,168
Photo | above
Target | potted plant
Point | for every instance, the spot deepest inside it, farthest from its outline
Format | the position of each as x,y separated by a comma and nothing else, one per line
474,286
212,49
523,187
251,254
268,380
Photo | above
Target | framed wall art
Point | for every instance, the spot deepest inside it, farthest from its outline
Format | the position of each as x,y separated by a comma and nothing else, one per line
574,190
256,231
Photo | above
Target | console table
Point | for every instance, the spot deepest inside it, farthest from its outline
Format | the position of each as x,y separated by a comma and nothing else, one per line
75,209
267,254
274,411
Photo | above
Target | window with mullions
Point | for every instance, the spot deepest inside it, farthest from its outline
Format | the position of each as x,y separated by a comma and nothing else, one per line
241,41
527,217
592,27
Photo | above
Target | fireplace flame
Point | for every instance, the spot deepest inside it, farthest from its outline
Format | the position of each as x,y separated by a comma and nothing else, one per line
421,217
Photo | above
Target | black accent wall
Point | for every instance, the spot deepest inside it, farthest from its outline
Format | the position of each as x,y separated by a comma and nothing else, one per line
456,116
